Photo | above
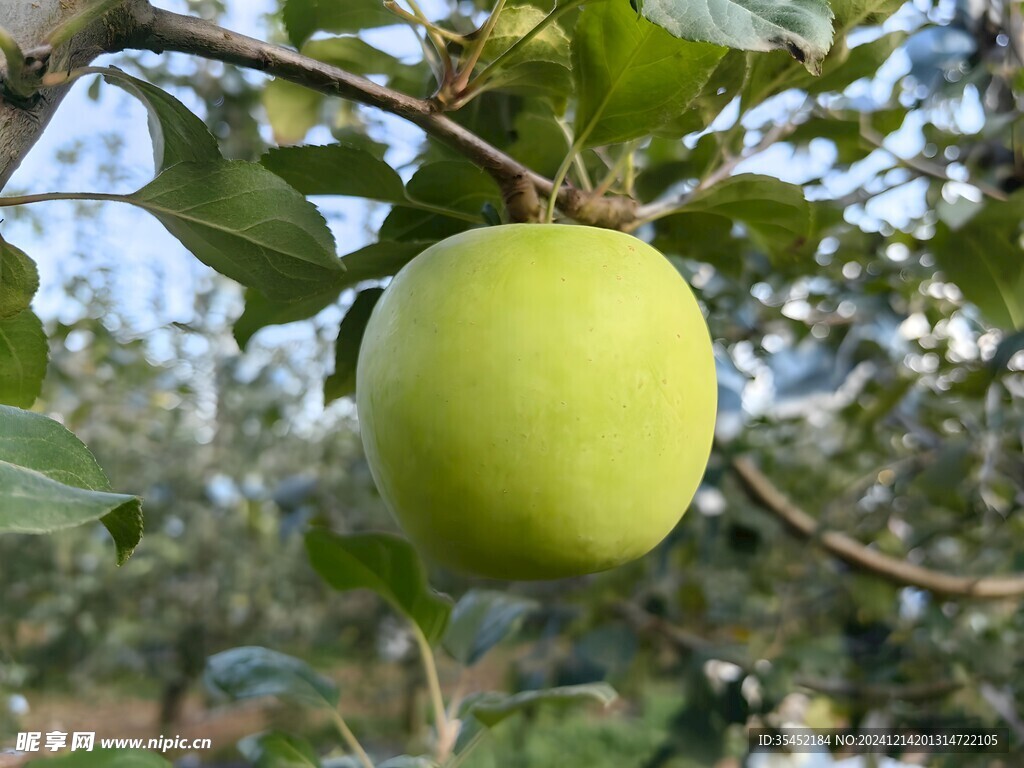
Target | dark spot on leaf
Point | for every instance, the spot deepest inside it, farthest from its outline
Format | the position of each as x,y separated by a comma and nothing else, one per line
796,51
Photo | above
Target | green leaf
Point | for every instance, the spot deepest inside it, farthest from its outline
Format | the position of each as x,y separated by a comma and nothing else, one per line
540,65
373,262
292,110
246,223
775,213
985,258
385,564
342,382
19,280
252,672
491,708
630,75
722,87
23,357
379,260
274,749
481,620
336,169
178,135
304,17
515,21
260,311
451,195
49,481
104,758
801,27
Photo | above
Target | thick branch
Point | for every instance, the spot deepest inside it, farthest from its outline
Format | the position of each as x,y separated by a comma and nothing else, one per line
165,31
764,493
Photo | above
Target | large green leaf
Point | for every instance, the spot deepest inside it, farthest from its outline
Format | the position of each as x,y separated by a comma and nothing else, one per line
103,758
23,357
775,213
385,564
986,259
342,382
178,135
19,280
336,169
49,481
275,749
246,223
632,76
373,262
482,619
304,17
492,707
252,672
801,27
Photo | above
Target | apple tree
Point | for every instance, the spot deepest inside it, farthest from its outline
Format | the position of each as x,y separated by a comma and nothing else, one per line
840,183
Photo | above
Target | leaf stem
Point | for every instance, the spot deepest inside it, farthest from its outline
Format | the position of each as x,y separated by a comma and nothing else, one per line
350,739
15,64
445,740
478,48
556,182
9,202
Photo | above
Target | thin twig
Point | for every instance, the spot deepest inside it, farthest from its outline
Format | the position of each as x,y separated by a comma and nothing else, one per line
662,208
925,166
766,495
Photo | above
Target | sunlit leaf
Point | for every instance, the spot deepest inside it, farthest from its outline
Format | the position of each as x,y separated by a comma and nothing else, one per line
23,357
632,76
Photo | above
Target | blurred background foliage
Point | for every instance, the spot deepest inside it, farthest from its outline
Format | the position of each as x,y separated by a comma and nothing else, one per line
873,378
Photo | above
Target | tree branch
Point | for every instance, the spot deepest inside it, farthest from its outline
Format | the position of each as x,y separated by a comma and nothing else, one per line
688,642
162,30
22,122
762,491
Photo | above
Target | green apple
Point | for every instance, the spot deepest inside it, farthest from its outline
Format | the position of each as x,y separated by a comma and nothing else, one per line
537,400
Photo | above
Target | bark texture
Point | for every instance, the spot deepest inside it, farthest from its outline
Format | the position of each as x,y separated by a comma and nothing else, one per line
29,22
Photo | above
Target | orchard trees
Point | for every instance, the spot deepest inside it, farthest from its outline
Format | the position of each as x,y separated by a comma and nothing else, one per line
844,201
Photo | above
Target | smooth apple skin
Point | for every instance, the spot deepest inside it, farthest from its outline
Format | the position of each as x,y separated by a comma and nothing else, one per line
537,401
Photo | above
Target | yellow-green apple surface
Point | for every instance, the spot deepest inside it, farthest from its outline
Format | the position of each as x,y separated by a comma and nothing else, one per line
537,400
